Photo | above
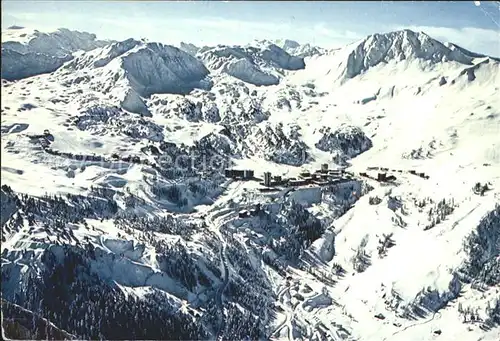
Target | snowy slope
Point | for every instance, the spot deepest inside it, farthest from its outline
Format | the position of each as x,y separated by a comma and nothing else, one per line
131,218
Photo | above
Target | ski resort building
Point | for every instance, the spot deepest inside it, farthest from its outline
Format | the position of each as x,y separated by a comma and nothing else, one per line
267,179
239,174
381,176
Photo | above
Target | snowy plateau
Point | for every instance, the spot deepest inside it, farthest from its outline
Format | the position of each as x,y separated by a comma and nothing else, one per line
119,222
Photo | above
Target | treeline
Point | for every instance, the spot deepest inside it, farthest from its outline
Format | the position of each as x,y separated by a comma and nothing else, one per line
298,229
70,295
168,224
482,265
177,263
70,208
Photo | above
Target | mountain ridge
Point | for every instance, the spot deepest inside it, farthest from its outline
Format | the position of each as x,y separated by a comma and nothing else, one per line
249,65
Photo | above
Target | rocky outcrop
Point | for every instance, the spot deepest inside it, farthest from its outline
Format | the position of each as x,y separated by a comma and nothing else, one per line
347,140
400,45
262,65
28,53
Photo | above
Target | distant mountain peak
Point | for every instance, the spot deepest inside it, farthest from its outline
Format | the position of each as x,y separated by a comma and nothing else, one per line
189,48
290,44
43,51
296,49
400,45
261,63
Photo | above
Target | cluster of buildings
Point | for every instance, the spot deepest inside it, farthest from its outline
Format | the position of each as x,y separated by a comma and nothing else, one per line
382,175
246,174
42,139
422,175
252,213
320,177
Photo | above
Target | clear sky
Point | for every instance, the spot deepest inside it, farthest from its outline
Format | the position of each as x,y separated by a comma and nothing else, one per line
328,24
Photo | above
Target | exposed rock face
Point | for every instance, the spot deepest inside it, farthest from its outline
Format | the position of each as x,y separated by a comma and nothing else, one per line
275,144
347,140
211,113
132,70
28,53
134,103
114,51
300,50
114,120
401,45
58,43
16,65
256,65
248,72
189,48
158,68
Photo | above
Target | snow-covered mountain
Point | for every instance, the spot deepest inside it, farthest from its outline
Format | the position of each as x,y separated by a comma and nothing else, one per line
301,50
119,222
131,70
403,51
263,64
27,52
189,48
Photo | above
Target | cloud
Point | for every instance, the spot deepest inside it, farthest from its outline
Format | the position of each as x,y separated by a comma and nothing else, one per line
39,21
205,30
479,40
208,30
240,31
